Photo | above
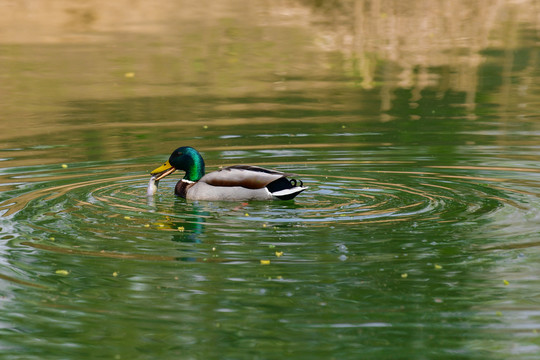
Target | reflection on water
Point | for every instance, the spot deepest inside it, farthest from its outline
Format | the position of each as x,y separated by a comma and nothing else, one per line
375,58
414,126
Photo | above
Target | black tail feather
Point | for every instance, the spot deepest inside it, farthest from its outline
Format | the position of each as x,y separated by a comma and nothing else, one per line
284,184
281,184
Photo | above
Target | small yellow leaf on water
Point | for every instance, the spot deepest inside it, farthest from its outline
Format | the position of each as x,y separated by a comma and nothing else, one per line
127,217
61,272
438,267
181,228
205,127
64,166
404,275
129,74
146,225
505,282
279,253
246,214
52,238
115,274
498,313
265,262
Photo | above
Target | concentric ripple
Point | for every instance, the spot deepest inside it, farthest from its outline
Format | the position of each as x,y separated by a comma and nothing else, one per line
403,196
104,203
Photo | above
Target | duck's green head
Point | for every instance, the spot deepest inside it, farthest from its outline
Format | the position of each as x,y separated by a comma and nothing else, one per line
184,158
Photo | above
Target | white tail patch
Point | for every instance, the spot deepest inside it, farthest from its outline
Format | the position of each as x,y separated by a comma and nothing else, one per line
287,194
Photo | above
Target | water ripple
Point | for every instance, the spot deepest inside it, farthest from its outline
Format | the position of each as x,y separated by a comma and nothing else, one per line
82,213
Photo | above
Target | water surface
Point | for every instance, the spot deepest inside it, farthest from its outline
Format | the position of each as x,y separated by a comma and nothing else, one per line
418,139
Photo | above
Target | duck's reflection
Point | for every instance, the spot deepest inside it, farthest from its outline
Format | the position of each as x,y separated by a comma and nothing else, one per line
191,225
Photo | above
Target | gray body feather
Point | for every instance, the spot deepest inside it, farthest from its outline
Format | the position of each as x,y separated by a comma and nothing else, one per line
236,183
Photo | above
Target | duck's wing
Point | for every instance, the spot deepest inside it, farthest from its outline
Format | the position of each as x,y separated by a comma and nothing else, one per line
247,176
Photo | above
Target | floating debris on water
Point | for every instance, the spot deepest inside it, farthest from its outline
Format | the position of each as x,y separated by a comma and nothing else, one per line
404,275
61,272
437,267
279,253
265,262
64,166
506,282
342,248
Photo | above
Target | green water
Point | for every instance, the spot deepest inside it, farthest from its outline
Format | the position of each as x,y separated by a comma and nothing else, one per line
418,237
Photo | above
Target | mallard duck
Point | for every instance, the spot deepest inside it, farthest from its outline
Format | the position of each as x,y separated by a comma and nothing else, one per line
239,182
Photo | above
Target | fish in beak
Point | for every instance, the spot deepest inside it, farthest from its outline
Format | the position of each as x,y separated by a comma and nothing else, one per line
162,171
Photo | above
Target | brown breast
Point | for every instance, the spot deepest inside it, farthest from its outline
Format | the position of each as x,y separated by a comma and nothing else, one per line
182,187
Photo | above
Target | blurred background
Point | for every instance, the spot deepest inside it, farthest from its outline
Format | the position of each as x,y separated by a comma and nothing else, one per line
99,73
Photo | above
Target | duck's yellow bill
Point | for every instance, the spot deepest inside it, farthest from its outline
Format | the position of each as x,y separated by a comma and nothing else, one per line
163,170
